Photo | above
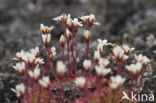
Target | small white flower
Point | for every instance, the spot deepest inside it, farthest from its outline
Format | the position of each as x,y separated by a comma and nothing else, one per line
104,62
134,68
118,52
39,61
80,82
102,71
19,55
34,74
20,67
102,44
44,82
35,51
97,55
116,81
89,18
127,49
45,29
142,59
87,65
61,69
19,89
87,35
46,38
59,18
76,22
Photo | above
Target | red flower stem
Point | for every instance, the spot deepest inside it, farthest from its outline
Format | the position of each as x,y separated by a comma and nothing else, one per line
142,73
39,95
69,69
132,79
72,50
87,50
52,69
76,53
63,55
86,88
43,71
136,80
125,71
119,67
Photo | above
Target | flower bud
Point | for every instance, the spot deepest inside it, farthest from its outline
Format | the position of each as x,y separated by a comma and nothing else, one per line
80,82
60,69
97,56
52,52
87,65
62,41
46,39
68,34
87,35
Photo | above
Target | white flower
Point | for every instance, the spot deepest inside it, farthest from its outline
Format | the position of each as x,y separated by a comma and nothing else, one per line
76,22
59,18
35,51
19,89
39,61
20,67
87,35
116,81
103,62
89,18
80,82
34,74
44,82
142,59
102,44
118,52
97,55
134,68
45,29
102,71
19,55
46,38
87,65
127,49
61,69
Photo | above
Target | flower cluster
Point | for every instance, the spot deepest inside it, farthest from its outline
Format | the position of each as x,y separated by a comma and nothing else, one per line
41,76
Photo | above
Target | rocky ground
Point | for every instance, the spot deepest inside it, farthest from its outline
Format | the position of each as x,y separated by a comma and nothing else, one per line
122,21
